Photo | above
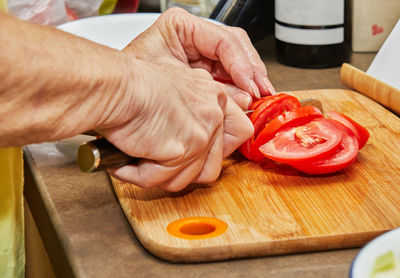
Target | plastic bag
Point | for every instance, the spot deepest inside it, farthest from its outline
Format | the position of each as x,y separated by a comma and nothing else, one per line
84,8
49,12
55,12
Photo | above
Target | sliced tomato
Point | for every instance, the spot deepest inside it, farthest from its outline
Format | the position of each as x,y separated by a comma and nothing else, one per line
270,107
343,157
296,117
306,143
265,109
257,102
245,149
359,131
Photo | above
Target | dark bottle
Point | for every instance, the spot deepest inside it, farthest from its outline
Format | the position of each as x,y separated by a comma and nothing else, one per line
312,33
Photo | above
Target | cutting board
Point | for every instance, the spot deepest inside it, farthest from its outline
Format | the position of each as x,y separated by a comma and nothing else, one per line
272,209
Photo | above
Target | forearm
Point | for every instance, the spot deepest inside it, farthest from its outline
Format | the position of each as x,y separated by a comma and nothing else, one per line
54,85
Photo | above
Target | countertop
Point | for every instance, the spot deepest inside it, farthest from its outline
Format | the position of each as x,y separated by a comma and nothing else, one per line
85,231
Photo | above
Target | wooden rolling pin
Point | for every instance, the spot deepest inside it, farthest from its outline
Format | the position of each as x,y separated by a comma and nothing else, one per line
369,86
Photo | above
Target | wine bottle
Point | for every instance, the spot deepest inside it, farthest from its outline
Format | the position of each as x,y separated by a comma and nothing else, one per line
312,33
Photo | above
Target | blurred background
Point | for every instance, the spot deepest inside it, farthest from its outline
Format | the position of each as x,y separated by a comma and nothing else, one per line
363,25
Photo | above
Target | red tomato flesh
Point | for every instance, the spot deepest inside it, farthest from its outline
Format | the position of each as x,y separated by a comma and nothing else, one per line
359,131
296,117
306,143
245,149
265,109
343,157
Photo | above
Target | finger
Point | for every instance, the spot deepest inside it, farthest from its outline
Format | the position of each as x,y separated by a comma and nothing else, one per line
259,69
237,128
185,175
213,163
215,43
145,174
242,99
169,150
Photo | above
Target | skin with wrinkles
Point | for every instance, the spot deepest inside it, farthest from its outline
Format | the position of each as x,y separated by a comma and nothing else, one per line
156,100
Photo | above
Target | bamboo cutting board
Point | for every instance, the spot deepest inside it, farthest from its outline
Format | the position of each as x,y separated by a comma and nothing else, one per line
273,209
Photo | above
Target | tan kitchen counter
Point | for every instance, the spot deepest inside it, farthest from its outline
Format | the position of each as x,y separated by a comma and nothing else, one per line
86,234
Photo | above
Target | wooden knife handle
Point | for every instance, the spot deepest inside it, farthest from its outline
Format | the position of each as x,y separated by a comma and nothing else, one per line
369,86
100,154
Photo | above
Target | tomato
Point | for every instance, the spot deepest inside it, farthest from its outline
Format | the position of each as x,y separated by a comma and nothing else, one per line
301,137
245,149
269,107
359,131
306,143
296,117
265,109
343,157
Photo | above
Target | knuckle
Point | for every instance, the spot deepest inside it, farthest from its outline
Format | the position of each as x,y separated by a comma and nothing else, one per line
203,73
239,31
171,15
202,141
214,119
174,11
222,102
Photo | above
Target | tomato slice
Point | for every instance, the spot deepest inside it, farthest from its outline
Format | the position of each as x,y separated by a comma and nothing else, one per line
245,149
266,109
296,117
269,107
359,131
306,143
344,156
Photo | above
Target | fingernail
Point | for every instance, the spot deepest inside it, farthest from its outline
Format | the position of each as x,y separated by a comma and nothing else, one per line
268,86
243,100
247,101
272,90
254,88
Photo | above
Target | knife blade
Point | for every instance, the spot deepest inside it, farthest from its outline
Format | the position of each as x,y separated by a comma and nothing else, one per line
99,154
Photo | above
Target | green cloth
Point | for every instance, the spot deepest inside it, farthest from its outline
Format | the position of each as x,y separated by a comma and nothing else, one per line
3,5
107,7
12,248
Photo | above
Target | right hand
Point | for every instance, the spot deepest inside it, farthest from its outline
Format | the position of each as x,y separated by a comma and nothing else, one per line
179,120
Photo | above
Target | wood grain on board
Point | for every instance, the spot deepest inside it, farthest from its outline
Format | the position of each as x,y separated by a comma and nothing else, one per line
273,209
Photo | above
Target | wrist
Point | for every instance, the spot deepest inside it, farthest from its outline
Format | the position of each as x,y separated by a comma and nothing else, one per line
122,97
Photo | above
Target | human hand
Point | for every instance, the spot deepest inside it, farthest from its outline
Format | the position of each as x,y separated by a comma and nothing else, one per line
178,37
179,121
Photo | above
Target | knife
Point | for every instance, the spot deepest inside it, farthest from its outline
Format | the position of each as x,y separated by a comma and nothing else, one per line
100,154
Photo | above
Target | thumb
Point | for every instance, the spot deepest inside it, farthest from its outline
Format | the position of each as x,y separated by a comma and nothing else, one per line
237,128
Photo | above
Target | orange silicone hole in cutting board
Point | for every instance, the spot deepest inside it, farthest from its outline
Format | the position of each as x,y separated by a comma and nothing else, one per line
197,227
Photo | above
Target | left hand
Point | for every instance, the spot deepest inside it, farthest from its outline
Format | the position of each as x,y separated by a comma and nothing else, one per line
178,37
